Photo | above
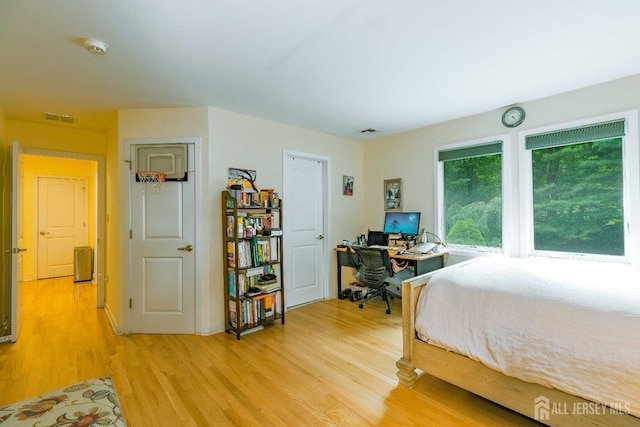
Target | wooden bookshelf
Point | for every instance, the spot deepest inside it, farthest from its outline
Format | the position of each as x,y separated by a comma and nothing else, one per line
252,250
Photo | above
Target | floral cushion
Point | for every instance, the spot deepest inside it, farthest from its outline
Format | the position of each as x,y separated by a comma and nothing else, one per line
90,403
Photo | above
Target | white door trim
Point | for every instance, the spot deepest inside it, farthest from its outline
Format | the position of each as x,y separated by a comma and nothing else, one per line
15,250
200,240
326,248
99,256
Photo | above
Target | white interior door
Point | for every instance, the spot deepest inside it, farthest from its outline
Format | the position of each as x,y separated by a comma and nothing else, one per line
16,241
62,224
163,257
304,230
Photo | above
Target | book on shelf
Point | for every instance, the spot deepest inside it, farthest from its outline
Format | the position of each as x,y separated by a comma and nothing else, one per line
245,197
268,283
264,196
269,312
269,198
260,221
259,308
234,317
231,254
244,254
242,283
271,231
252,292
231,281
256,271
275,248
230,226
268,288
255,252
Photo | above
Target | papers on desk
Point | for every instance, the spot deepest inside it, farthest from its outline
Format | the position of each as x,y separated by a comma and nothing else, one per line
422,248
392,248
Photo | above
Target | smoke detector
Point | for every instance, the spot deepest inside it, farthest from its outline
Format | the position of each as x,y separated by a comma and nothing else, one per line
95,46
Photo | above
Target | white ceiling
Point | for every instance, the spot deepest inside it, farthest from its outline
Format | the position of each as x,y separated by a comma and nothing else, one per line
334,66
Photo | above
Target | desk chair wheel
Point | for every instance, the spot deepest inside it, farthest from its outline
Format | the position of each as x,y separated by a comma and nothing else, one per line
360,305
388,311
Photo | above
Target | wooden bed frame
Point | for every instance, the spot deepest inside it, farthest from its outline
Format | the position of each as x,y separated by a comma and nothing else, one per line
515,394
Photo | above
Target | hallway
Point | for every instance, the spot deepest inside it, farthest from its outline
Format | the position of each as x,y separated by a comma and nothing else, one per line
61,336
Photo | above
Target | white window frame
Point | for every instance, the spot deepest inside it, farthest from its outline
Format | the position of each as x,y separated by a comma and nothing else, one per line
631,195
507,190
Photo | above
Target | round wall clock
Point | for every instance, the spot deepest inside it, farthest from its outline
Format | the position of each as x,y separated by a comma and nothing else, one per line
513,117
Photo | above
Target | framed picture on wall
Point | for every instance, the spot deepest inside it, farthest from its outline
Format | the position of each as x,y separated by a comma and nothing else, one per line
393,194
245,177
347,185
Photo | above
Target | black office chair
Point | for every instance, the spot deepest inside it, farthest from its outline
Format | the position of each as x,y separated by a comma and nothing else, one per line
374,269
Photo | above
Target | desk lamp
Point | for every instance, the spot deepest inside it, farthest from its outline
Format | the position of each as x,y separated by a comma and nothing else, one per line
425,246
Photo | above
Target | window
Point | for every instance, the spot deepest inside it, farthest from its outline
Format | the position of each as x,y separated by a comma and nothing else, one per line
577,189
571,191
471,195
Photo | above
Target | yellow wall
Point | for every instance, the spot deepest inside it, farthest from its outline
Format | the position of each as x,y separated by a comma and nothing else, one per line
35,166
39,138
56,137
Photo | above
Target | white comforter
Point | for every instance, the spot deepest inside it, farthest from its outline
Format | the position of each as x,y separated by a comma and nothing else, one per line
570,325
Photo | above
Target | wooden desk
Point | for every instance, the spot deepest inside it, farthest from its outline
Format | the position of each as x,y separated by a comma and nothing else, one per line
421,263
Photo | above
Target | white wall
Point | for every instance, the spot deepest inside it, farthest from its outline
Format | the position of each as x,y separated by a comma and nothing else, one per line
234,140
161,123
410,155
247,142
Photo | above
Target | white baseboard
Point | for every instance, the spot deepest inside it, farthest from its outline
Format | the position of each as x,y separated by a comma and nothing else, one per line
206,330
112,321
212,329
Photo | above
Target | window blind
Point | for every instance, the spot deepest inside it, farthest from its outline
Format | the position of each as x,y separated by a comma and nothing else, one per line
604,130
493,147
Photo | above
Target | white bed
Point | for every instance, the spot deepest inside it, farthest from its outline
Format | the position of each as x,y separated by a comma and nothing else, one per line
564,332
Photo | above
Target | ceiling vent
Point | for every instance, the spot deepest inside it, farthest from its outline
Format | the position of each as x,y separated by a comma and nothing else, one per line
59,118
368,131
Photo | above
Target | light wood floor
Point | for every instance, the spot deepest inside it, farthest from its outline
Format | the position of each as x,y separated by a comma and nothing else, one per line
331,364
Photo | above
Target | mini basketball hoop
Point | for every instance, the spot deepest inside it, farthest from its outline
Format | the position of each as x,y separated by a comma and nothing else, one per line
151,181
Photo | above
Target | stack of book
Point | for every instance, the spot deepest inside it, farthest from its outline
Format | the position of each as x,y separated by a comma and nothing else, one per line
269,287
268,283
269,198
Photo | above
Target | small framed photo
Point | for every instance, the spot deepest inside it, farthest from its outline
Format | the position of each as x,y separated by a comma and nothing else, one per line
245,177
347,185
393,194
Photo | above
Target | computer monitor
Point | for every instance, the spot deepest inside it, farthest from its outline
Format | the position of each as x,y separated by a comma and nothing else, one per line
405,223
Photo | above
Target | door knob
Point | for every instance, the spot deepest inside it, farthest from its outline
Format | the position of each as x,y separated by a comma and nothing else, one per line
320,237
187,248
18,250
